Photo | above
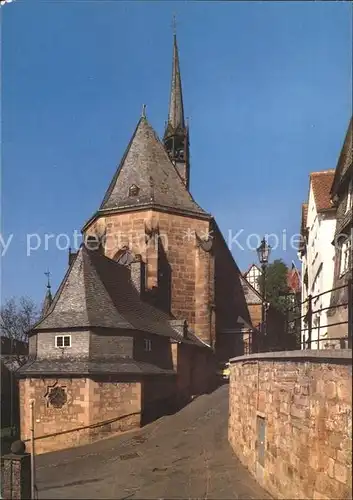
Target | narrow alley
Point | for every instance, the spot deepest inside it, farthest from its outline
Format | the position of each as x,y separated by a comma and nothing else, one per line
185,455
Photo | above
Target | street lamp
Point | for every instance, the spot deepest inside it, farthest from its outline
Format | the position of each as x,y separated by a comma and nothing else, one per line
263,252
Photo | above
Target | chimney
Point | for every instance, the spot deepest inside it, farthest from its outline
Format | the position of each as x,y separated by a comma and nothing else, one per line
137,273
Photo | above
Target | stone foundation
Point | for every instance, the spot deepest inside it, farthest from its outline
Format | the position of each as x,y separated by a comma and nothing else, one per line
291,421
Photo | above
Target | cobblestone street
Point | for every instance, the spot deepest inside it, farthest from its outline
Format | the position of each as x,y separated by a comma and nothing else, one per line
185,455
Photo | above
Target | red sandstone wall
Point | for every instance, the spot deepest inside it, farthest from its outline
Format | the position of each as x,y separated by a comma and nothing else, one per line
306,404
175,246
89,404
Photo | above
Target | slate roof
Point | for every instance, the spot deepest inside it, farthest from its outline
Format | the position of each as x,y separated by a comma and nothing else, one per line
252,296
82,300
146,165
85,366
98,292
13,361
321,183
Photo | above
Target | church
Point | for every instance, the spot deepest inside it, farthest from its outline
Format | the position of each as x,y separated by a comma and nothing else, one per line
150,303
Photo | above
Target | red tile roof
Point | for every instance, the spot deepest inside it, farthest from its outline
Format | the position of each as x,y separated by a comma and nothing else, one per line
293,280
321,184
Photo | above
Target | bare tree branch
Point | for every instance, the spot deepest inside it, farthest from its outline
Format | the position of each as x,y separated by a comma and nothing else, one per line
17,316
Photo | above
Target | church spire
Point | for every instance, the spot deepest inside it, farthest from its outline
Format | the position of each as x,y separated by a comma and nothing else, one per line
176,107
176,137
48,296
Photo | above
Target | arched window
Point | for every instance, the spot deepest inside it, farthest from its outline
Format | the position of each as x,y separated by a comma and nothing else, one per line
133,190
124,256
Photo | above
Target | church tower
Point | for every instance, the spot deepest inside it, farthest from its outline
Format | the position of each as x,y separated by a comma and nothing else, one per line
148,213
176,135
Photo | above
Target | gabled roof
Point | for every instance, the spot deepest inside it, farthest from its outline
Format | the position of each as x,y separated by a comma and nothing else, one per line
344,161
294,280
250,267
147,166
321,183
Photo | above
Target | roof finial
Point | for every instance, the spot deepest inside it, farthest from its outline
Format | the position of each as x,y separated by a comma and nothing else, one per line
143,111
174,23
47,274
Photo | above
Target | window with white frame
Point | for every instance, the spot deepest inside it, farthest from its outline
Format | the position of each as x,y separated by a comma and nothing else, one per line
148,344
349,197
345,254
63,341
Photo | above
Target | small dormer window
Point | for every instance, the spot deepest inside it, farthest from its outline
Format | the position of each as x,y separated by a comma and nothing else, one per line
133,190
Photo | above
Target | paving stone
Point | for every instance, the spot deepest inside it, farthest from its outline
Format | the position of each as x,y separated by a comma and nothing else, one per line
166,461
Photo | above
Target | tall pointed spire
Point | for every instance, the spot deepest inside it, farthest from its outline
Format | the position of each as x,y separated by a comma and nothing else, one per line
176,136
48,296
176,107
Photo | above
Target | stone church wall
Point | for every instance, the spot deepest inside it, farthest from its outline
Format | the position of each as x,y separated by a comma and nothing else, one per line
93,409
176,234
290,421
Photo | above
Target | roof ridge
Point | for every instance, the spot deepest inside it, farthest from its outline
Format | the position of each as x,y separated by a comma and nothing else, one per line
118,169
58,292
328,171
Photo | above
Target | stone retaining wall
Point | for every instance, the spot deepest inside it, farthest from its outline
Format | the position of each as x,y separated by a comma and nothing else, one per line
290,421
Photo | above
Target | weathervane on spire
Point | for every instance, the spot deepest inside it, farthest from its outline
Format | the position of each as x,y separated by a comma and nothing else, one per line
174,23
143,111
48,274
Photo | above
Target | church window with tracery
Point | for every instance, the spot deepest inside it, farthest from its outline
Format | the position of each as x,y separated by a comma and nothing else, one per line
57,397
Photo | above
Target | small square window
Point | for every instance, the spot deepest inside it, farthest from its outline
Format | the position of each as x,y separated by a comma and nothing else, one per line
59,341
63,341
148,344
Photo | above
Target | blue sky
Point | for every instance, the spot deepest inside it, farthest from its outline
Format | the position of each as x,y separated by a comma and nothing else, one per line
267,87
